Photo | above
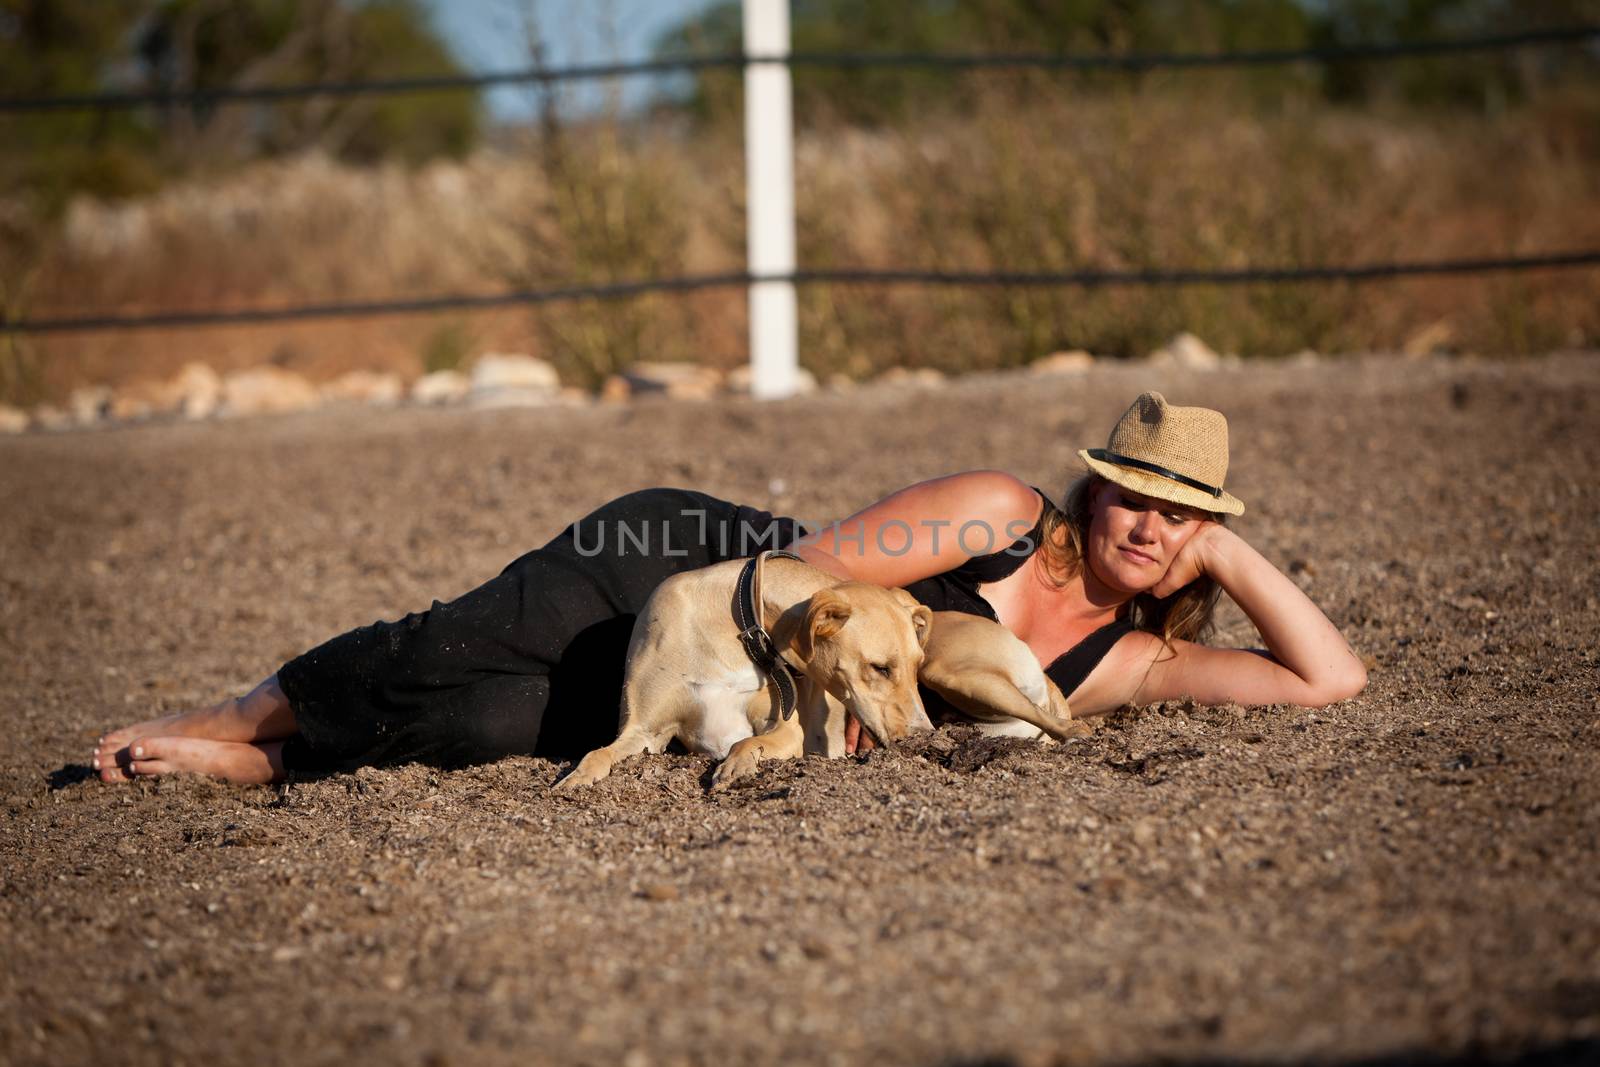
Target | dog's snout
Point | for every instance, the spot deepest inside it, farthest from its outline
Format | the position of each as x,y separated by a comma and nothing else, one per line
913,717
891,721
917,721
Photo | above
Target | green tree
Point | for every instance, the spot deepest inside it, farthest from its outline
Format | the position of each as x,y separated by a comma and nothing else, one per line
205,44
53,47
62,47
877,94
1485,79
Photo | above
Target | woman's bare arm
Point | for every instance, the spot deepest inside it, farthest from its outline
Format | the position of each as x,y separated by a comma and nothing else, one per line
1306,661
925,529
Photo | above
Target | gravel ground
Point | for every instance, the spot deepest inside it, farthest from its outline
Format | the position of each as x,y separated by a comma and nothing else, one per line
1413,872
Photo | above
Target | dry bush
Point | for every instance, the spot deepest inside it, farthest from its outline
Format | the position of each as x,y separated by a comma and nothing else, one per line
611,207
1019,180
1154,182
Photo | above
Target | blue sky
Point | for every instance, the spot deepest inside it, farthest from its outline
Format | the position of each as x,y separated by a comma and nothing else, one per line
493,35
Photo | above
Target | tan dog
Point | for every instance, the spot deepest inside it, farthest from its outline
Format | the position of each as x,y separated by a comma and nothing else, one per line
994,678
689,678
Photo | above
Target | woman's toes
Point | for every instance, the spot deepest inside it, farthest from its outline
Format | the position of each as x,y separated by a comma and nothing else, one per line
150,756
231,760
151,766
170,755
111,764
107,748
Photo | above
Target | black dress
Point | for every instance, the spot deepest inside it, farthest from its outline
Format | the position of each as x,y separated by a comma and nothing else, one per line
957,590
531,662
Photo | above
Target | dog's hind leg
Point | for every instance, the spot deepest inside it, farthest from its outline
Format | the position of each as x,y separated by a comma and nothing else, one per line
1063,711
986,691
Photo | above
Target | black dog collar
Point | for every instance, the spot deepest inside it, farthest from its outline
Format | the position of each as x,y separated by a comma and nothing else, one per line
755,639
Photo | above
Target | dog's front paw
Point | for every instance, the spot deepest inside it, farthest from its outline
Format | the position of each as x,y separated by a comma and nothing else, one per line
742,762
572,783
588,771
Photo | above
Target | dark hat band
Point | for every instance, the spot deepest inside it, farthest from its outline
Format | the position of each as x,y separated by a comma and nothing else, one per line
1138,464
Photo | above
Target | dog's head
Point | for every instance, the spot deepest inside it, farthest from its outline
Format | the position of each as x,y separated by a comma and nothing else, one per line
863,644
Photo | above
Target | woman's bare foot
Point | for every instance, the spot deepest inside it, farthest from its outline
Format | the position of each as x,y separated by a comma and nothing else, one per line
233,761
111,751
262,715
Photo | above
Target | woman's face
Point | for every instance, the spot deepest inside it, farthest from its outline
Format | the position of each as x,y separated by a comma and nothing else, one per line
1134,538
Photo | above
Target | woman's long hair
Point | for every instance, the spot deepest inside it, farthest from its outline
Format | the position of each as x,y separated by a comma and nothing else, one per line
1185,615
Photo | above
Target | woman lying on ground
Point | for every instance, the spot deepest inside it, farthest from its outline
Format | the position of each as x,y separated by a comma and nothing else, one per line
1111,592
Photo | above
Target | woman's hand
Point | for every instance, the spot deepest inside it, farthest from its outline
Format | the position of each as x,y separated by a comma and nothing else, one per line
855,738
1308,662
1196,558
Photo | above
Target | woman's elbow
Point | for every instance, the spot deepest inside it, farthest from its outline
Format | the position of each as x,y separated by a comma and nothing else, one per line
1342,685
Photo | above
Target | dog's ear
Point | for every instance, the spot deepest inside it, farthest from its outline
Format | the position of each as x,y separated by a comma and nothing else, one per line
922,620
824,617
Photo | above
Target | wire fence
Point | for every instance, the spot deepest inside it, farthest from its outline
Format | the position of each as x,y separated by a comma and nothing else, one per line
1125,62
1072,61
1369,272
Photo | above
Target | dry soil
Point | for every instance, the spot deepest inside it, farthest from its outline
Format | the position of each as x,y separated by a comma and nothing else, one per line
1410,873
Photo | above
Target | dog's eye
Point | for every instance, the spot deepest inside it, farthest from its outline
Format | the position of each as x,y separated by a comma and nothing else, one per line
884,669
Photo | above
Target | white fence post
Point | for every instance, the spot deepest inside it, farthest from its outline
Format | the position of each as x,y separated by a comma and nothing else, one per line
769,200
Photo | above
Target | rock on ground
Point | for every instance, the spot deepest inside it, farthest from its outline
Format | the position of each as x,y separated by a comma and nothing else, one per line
266,391
676,381
919,377
1186,351
512,371
88,404
506,381
440,387
365,387
198,390
1076,361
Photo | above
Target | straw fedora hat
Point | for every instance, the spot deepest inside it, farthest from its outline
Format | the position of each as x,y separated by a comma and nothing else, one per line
1170,453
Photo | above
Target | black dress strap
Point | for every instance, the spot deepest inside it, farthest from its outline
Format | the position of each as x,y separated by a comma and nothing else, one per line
1071,667
957,590
981,570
